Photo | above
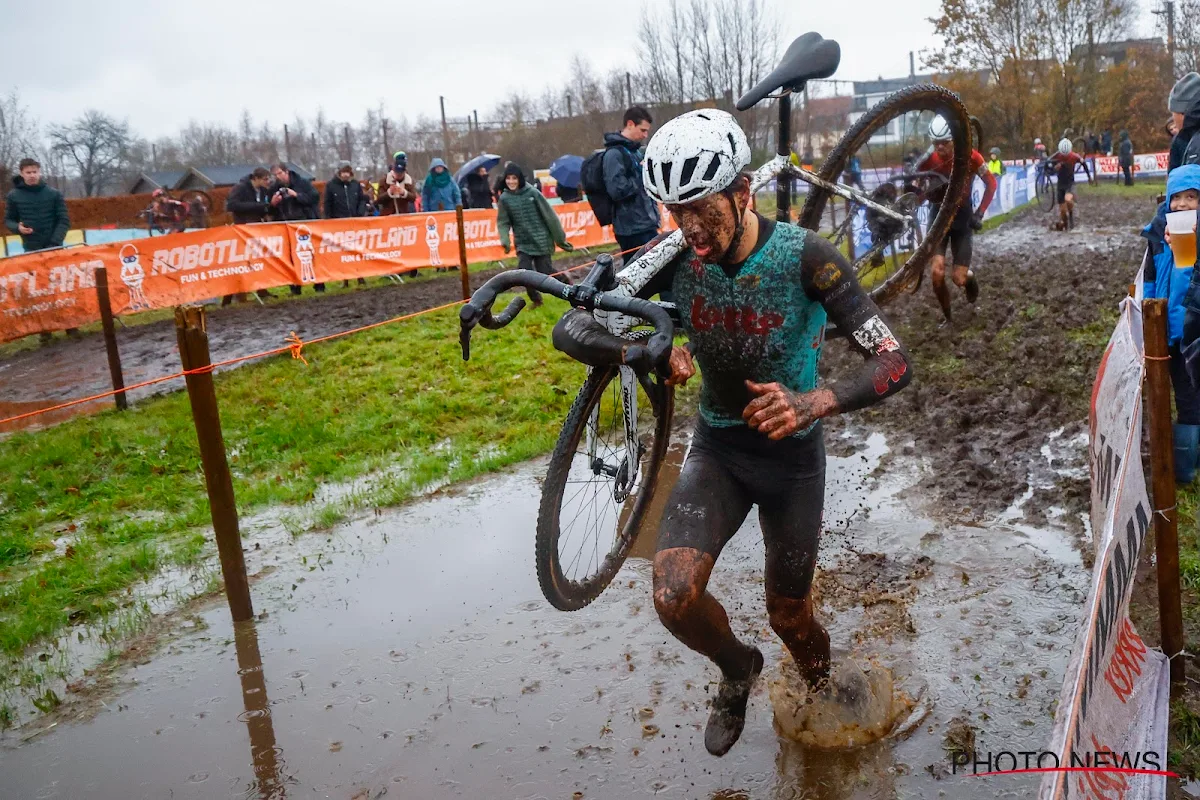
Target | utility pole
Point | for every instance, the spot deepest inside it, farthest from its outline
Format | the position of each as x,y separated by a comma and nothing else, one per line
387,151
1168,11
569,112
154,156
287,145
628,89
349,151
912,64
474,131
313,152
445,130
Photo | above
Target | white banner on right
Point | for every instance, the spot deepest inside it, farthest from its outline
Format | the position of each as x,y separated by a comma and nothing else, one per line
1112,711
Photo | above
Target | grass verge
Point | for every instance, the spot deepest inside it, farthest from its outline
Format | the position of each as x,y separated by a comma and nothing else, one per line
94,505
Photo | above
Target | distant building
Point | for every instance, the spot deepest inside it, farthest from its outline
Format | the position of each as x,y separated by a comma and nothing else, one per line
202,177
825,120
904,129
1105,55
147,182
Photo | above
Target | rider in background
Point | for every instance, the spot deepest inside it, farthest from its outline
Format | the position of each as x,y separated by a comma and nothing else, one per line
168,210
754,297
966,220
853,173
1039,150
1063,165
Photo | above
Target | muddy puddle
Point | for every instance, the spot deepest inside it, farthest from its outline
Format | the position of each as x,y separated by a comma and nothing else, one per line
411,654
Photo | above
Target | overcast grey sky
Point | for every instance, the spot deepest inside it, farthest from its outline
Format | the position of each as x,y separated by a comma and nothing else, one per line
159,63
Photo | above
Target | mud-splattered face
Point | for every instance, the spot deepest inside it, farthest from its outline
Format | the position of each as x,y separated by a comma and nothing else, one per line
709,224
945,150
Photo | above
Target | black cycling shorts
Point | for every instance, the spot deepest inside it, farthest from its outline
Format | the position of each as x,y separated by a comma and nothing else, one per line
1065,188
960,237
730,469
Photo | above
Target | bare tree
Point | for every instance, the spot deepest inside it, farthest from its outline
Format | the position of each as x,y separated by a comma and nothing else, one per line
18,133
96,145
1187,36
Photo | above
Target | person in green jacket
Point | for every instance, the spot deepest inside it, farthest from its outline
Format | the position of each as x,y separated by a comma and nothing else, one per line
38,213
534,226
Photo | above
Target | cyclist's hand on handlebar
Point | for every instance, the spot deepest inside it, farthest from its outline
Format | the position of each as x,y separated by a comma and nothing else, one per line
778,412
682,367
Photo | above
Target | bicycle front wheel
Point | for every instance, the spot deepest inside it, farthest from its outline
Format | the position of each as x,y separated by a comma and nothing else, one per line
888,254
597,488
1045,193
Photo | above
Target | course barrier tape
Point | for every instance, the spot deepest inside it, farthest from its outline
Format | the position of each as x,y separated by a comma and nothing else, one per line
294,344
56,289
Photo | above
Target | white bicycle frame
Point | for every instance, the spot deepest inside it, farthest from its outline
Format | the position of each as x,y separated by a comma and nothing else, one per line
637,276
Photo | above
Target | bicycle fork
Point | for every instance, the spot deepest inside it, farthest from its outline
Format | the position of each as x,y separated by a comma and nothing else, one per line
625,473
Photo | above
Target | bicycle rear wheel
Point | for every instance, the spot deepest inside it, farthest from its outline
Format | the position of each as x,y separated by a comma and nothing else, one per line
1045,193
897,252
593,503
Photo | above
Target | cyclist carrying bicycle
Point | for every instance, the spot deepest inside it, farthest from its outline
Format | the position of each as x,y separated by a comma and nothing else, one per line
1062,164
754,296
966,221
168,212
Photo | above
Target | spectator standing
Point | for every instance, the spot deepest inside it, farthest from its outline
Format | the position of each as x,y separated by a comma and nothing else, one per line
1184,105
534,225
994,164
397,189
293,198
1106,142
569,194
479,193
439,192
1125,158
248,202
344,197
38,213
635,214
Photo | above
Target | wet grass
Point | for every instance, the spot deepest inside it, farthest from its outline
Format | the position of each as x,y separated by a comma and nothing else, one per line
92,506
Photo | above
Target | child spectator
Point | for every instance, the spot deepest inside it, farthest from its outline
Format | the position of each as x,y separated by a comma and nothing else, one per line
534,225
1182,292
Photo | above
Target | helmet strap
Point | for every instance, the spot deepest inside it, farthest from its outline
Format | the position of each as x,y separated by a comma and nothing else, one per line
737,231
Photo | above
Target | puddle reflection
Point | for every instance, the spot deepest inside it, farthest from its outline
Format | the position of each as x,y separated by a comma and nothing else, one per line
264,754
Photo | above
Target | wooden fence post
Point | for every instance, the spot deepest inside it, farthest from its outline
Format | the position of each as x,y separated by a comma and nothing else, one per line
462,253
263,753
193,352
1162,472
110,338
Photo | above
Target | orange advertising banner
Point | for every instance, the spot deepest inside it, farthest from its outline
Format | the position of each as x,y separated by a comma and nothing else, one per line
56,289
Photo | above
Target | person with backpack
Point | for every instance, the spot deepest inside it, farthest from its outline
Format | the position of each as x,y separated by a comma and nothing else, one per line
612,179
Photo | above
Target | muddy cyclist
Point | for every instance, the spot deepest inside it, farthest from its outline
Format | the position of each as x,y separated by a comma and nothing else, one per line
966,221
1062,165
754,296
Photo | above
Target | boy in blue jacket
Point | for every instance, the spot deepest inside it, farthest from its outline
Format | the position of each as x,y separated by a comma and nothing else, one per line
1182,293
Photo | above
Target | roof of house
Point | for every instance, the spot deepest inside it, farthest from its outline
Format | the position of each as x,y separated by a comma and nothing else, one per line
156,179
1115,50
885,85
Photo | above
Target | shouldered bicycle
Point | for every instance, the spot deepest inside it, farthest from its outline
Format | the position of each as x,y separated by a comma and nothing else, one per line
604,469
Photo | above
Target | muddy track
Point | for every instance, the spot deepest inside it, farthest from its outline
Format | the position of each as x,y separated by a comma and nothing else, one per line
991,391
70,368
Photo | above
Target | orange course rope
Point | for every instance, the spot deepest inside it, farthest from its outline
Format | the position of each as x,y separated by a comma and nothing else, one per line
295,345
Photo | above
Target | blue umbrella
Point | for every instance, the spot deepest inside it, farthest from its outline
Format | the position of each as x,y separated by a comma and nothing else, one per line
488,160
566,169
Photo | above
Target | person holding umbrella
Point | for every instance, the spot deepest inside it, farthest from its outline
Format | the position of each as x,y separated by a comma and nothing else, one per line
534,225
477,191
566,170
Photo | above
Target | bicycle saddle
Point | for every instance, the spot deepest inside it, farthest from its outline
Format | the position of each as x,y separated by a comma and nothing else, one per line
810,56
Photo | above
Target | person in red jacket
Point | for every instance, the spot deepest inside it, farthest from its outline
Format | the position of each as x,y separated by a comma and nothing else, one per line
966,221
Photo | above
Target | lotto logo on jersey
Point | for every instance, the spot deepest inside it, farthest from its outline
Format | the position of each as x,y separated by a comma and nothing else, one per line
733,318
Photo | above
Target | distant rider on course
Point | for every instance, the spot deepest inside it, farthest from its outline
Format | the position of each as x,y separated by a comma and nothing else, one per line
966,221
1062,165
754,296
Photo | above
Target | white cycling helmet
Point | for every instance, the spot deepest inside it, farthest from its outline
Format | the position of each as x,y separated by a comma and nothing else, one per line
1037,141
695,155
939,129
1064,146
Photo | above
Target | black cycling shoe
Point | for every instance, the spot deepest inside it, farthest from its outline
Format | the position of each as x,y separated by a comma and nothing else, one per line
972,288
728,715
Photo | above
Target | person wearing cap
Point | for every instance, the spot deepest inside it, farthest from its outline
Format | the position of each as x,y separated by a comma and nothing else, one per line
994,164
397,189
535,227
1184,105
344,197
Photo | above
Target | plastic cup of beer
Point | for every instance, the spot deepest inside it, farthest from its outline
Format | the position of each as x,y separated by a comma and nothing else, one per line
1182,227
